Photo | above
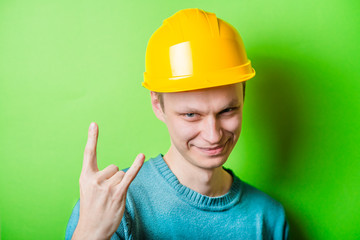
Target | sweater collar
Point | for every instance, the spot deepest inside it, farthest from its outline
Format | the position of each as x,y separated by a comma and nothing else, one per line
219,203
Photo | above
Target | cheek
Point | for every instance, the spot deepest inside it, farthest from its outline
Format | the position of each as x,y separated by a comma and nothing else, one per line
233,125
180,130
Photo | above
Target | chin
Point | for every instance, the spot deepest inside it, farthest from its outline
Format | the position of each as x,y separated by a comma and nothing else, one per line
211,162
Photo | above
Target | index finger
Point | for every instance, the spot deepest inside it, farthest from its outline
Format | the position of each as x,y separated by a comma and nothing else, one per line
89,162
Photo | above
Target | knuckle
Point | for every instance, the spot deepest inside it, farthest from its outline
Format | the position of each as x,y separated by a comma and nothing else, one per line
114,167
95,181
120,174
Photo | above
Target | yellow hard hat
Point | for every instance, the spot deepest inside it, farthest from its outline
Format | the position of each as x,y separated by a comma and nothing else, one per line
194,49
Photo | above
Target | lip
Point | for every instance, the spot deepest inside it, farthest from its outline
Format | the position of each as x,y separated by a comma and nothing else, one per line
213,151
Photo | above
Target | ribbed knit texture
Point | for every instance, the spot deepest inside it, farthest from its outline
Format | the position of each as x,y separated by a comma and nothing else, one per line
158,206
194,198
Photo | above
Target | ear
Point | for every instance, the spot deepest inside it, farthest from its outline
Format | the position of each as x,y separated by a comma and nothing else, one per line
155,102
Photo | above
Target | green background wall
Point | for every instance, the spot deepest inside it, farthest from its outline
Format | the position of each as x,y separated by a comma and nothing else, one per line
64,64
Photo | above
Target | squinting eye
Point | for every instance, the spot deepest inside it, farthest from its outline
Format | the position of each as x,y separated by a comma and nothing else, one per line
190,115
228,110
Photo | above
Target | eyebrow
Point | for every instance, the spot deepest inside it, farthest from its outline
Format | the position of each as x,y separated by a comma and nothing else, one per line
233,103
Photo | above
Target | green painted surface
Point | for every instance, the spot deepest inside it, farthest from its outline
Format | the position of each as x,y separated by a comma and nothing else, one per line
64,64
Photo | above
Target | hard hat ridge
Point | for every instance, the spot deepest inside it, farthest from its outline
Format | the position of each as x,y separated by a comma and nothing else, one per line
203,23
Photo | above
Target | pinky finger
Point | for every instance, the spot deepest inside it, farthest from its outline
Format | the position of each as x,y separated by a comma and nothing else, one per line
132,172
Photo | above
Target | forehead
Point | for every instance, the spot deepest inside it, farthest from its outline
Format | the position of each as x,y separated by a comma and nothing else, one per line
209,98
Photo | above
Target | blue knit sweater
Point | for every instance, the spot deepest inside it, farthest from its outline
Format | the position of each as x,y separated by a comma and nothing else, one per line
158,206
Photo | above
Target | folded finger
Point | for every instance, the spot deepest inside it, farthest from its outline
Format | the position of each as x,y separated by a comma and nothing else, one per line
116,178
107,172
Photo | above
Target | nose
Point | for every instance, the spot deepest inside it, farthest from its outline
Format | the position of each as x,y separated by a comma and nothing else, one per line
212,131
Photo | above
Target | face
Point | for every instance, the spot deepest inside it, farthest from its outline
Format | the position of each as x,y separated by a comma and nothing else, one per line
204,125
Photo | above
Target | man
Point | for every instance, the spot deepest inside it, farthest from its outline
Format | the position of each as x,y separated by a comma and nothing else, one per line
196,68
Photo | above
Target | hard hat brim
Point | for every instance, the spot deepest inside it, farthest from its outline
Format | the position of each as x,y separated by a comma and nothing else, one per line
192,82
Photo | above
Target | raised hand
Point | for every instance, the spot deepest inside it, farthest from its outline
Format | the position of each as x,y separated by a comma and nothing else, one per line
102,193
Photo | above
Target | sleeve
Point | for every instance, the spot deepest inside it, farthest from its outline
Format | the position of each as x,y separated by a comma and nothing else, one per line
281,230
73,221
124,229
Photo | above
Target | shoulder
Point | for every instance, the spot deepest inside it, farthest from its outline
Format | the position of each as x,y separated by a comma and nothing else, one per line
259,198
253,198
266,209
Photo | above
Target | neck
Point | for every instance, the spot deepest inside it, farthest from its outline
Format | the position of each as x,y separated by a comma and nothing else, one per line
210,182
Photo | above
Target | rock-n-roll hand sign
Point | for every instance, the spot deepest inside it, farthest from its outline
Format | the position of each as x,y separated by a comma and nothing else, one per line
102,193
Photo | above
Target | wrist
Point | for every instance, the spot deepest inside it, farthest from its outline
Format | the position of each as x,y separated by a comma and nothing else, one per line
81,232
